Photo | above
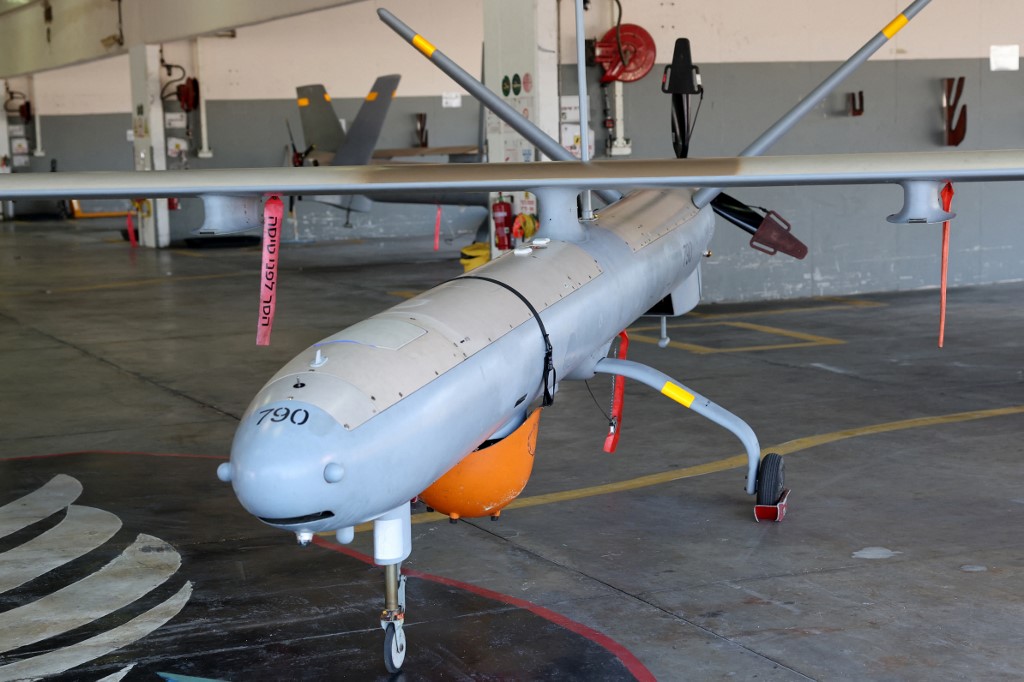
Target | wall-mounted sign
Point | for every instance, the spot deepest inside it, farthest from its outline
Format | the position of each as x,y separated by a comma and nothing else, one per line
1004,58
175,119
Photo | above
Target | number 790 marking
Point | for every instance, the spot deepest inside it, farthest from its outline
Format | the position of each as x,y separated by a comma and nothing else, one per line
298,417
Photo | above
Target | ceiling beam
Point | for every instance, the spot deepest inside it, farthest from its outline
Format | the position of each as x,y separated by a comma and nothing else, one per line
48,34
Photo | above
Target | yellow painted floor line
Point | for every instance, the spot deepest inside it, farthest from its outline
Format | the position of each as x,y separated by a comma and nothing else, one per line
405,293
129,284
803,339
739,461
834,304
190,253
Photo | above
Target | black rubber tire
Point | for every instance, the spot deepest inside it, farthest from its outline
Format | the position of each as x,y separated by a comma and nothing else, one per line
394,651
771,479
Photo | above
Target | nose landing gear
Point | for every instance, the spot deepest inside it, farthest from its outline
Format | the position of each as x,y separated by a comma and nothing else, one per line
392,544
392,618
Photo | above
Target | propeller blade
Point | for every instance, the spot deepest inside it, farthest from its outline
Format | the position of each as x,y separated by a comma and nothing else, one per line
291,138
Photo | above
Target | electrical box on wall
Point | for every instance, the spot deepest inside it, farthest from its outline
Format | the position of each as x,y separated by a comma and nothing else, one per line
570,137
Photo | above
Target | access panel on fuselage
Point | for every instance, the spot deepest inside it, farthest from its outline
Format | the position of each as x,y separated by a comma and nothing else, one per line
645,216
394,353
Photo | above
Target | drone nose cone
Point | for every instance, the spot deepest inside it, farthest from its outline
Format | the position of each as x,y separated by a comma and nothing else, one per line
286,464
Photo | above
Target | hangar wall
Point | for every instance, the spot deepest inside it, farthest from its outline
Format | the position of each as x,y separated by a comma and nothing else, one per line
852,248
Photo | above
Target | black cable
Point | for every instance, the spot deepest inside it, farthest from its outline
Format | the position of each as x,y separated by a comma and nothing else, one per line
619,35
163,91
596,402
549,369
692,123
11,96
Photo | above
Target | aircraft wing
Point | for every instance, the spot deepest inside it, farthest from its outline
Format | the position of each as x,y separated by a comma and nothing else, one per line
765,171
403,152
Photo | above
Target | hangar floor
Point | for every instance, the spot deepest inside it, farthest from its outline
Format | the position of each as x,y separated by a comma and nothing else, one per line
123,375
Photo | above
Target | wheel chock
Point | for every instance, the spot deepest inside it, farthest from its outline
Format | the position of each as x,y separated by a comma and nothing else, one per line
772,512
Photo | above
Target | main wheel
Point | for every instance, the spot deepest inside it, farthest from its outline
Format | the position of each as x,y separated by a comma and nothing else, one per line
394,648
771,479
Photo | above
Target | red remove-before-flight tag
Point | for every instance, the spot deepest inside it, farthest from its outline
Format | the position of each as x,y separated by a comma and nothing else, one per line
273,212
437,229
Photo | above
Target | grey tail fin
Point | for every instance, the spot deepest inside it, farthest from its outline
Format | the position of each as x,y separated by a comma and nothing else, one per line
365,129
321,128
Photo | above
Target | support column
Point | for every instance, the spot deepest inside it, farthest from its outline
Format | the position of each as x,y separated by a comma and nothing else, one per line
6,162
37,121
521,67
197,66
149,144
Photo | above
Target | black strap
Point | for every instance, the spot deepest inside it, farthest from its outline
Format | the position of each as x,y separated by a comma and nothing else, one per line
549,369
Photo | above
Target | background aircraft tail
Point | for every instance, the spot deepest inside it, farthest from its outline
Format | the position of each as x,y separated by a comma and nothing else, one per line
322,129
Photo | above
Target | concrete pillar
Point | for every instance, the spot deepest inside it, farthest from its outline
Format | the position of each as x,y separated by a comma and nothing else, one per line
521,66
149,144
197,66
6,163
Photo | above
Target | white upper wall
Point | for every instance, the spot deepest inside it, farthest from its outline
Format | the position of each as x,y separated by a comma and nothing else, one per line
344,48
347,47
727,31
101,87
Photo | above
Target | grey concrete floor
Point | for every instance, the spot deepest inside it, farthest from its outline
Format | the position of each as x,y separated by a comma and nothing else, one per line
903,553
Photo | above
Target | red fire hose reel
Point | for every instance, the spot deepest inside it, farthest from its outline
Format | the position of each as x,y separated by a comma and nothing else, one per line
633,61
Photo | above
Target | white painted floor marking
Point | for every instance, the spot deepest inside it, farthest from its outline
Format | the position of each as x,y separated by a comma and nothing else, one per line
875,553
58,493
82,530
147,563
69,657
119,675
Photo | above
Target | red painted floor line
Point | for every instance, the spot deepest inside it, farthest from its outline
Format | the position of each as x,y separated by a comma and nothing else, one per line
113,452
632,663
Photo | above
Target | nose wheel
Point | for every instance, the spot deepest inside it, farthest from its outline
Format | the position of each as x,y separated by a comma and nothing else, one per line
394,647
392,618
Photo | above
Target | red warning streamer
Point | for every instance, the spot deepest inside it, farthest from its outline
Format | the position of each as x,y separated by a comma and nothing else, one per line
273,212
947,202
130,227
618,398
437,229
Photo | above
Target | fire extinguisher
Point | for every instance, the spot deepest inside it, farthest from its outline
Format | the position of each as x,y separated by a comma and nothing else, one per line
501,210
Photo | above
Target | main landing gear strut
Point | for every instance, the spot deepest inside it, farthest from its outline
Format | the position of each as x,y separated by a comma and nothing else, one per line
763,479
